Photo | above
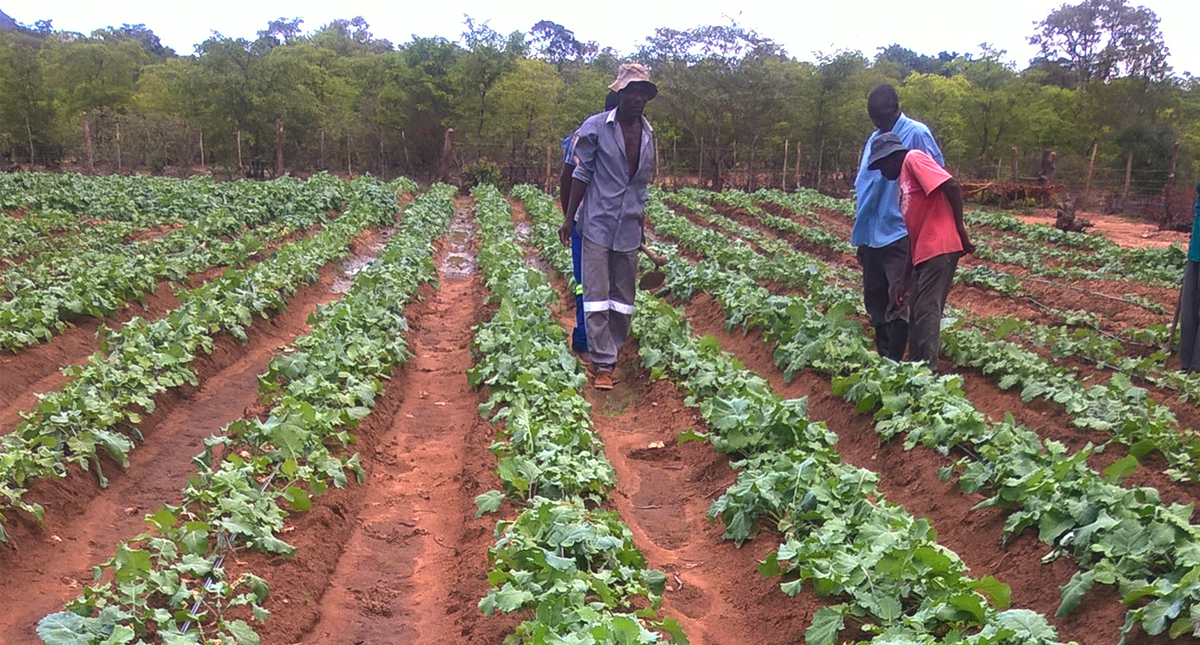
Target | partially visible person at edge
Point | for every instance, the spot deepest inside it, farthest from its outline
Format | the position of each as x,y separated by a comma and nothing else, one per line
879,232
614,159
931,204
1189,303
569,233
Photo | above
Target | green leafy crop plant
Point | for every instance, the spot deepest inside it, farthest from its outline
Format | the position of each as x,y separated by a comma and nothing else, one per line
571,568
169,585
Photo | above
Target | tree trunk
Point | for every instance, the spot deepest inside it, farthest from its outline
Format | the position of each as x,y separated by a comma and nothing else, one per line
322,160
799,158
407,161
750,181
202,160
1087,189
29,132
241,168
820,160
87,137
278,147
119,168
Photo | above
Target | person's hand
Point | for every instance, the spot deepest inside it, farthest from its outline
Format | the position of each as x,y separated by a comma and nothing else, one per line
564,233
968,246
859,253
900,299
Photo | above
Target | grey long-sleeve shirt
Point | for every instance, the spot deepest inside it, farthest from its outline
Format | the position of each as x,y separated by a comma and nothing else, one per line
615,203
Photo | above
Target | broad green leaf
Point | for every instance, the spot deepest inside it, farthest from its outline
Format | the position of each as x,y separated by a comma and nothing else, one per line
827,622
488,502
64,628
1073,591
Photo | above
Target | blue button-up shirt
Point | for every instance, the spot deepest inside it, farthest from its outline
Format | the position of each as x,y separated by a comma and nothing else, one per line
877,220
615,203
1194,243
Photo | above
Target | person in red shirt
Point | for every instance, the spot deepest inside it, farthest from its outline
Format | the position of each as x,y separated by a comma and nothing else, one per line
932,206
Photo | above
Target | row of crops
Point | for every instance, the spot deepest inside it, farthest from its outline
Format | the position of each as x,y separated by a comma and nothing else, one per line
1119,536
170,584
562,560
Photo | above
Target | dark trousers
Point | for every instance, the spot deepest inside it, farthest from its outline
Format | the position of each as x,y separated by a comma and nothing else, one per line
1189,318
883,272
930,285
579,334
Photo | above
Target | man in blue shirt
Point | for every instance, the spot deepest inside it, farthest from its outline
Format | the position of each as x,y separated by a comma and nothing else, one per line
568,232
1189,304
879,233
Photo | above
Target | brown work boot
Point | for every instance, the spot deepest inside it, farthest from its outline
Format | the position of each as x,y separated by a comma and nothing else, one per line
604,381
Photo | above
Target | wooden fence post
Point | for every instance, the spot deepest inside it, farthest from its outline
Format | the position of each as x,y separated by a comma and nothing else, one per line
787,143
1128,177
1087,188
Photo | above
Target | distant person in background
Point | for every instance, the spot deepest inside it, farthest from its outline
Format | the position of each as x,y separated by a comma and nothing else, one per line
614,160
931,203
568,233
1189,301
879,231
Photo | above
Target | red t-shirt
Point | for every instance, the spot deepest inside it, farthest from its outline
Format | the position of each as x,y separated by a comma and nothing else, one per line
926,211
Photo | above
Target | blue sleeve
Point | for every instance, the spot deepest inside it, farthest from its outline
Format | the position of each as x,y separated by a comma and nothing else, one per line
567,148
586,143
925,142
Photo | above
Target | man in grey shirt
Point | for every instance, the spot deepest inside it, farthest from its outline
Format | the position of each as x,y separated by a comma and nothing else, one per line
614,159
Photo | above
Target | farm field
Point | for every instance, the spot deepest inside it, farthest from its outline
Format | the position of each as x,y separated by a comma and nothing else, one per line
342,412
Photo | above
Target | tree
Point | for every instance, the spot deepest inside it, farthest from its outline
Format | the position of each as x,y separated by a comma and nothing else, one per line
490,55
558,45
27,112
720,83
1103,39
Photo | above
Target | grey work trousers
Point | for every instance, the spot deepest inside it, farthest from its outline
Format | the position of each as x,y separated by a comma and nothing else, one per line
609,288
1189,318
883,274
927,292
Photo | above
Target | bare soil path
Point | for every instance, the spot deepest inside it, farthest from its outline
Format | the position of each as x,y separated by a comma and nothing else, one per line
414,564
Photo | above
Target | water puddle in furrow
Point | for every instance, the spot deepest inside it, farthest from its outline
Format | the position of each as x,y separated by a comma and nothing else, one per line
349,268
524,237
460,261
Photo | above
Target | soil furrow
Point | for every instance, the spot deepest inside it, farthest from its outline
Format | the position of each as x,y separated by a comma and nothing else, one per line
413,563
85,522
